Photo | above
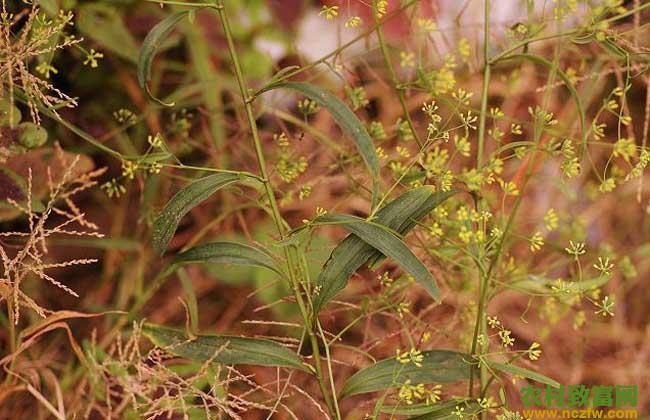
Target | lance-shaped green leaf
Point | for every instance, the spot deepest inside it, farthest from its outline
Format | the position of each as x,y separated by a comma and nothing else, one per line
103,23
524,373
388,243
346,119
444,411
229,350
400,215
184,201
438,411
437,366
150,45
226,252
564,289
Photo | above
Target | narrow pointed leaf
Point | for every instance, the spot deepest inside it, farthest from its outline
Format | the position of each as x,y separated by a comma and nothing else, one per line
230,350
103,23
439,410
400,215
444,410
150,45
184,201
226,252
524,373
386,242
438,366
346,119
545,286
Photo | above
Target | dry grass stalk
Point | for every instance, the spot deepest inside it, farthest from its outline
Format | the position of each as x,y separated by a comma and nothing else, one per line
30,259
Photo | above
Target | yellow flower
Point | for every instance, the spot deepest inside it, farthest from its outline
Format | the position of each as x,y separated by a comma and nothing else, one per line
534,351
407,59
536,242
381,7
551,219
353,22
330,12
91,58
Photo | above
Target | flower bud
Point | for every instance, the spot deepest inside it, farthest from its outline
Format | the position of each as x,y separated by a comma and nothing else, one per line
9,114
31,135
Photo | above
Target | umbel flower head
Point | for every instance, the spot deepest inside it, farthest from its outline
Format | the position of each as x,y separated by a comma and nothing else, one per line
24,37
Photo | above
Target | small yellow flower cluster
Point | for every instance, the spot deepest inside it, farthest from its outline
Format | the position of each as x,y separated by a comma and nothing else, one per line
125,116
464,48
410,394
402,309
305,192
462,96
605,307
604,266
45,68
570,165
113,189
536,242
404,130
357,96
534,351
330,12
640,166
92,57
407,59
551,220
129,168
509,187
353,22
288,166
377,131
503,333
307,107
385,279
155,141
412,356
443,80
462,146
575,248
626,148
426,24
381,8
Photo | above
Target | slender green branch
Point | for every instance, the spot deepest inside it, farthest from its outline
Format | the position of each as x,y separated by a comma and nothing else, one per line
393,77
480,315
486,85
275,211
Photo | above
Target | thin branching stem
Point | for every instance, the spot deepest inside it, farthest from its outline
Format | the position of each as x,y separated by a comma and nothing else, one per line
293,265
480,315
393,77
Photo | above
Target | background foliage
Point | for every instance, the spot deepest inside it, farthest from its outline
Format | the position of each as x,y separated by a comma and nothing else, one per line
293,209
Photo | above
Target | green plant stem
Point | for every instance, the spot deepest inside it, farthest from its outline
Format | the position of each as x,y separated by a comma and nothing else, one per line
483,115
13,342
393,77
277,218
479,326
486,86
